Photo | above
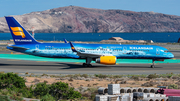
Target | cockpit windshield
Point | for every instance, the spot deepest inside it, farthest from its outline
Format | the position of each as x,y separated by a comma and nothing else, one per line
166,51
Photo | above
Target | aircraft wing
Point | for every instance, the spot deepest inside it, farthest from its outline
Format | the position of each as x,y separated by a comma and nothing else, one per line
15,47
84,54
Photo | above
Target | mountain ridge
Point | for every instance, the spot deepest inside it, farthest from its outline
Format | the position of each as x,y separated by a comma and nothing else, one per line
74,19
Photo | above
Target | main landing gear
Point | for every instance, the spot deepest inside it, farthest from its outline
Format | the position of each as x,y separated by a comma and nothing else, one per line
88,61
152,66
87,65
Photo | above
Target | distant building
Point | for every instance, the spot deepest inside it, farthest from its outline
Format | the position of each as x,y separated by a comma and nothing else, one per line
149,41
116,38
119,39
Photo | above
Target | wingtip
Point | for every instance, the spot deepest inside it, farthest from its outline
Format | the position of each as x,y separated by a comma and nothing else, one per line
65,41
72,47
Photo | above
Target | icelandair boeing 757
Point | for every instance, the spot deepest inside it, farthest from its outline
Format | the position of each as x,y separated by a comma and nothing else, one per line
100,53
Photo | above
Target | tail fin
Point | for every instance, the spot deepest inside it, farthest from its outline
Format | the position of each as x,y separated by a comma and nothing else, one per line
19,34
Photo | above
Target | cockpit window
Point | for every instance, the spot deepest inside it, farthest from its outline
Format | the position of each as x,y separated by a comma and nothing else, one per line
166,51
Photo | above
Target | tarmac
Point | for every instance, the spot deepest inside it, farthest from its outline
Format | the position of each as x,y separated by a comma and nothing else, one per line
21,63
39,67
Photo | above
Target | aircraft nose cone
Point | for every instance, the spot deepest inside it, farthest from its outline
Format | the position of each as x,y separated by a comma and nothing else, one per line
171,55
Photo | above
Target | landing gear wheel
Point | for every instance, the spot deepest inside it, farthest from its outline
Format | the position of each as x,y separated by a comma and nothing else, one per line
89,65
152,66
85,65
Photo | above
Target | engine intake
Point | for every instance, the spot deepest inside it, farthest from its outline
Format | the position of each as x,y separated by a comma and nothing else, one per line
107,60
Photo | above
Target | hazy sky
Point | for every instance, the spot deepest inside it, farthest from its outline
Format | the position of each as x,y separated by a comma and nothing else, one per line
19,7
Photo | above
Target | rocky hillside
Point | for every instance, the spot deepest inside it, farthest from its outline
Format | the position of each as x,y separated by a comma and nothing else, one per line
74,19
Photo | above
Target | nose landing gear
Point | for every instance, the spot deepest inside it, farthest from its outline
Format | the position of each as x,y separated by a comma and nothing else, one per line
152,66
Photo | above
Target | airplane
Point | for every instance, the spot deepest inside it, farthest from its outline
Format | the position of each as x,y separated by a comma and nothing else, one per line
100,53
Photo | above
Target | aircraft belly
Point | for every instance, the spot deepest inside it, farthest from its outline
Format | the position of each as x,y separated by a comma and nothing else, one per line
135,55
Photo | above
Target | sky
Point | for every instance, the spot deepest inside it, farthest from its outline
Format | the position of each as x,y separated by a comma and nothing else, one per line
19,7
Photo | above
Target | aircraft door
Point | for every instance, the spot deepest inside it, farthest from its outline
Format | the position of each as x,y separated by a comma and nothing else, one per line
157,51
36,50
124,50
37,47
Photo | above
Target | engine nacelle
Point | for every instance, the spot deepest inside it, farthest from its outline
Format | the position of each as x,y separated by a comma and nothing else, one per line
107,60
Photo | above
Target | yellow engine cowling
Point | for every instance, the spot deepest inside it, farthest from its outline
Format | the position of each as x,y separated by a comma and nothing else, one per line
107,60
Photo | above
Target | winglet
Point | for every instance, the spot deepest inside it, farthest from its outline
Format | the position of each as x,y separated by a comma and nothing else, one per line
65,41
72,47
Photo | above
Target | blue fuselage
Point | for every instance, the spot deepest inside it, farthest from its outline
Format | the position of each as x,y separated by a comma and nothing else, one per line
63,50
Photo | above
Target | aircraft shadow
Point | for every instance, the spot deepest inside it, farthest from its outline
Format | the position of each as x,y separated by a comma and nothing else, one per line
139,67
28,65
77,66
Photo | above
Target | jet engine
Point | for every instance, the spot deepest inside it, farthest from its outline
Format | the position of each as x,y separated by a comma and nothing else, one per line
107,60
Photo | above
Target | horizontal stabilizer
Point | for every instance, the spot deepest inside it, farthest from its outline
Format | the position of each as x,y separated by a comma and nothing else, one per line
15,47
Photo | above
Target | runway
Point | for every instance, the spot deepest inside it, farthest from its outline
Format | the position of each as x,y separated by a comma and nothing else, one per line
73,67
39,67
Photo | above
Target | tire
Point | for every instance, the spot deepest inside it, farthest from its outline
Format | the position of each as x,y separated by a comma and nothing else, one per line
89,65
84,65
152,66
